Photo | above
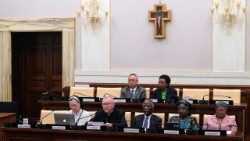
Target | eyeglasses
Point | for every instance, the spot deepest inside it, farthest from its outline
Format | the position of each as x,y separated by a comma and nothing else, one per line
105,104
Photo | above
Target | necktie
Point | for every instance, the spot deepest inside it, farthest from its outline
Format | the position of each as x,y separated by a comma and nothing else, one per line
145,123
132,94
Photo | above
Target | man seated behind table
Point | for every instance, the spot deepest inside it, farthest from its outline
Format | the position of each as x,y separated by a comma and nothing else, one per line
164,92
147,120
113,119
185,119
133,91
81,116
220,121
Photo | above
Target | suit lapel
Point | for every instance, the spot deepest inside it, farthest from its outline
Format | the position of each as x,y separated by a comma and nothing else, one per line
128,92
137,91
151,121
141,120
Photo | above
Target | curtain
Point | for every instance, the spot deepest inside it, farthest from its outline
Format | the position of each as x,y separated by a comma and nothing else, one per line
5,66
68,62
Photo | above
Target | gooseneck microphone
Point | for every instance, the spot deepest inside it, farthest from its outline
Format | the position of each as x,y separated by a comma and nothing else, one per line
82,94
203,98
45,95
221,96
40,121
108,94
85,117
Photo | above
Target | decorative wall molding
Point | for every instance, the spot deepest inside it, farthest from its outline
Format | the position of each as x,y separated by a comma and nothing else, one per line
151,77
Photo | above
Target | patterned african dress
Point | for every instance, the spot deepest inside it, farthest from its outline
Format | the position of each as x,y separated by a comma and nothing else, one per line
189,122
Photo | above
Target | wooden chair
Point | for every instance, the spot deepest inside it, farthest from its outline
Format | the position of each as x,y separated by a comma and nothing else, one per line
178,91
224,94
128,118
82,91
198,94
147,92
114,92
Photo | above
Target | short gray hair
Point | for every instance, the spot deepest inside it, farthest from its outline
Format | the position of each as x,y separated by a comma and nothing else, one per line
221,104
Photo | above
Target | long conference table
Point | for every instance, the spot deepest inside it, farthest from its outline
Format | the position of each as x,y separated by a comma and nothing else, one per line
237,110
17,134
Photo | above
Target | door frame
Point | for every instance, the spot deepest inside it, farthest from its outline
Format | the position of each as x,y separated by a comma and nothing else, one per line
64,25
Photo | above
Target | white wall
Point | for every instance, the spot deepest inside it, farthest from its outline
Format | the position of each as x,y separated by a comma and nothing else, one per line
188,45
186,53
30,9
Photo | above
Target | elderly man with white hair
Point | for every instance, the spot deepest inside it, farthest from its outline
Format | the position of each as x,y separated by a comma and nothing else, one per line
114,119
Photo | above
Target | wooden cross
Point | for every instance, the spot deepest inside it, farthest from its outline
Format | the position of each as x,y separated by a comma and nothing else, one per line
160,15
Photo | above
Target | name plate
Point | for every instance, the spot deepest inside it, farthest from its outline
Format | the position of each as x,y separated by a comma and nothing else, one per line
176,132
23,126
155,100
130,130
59,127
120,100
93,123
225,101
88,99
212,133
93,127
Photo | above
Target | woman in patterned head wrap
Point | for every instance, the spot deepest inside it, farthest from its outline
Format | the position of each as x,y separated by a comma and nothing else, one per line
185,119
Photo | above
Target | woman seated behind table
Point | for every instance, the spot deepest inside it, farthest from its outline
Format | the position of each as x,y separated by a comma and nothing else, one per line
185,119
81,116
220,121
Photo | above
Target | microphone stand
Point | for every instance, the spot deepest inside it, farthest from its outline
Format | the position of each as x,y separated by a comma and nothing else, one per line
45,95
203,101
39,124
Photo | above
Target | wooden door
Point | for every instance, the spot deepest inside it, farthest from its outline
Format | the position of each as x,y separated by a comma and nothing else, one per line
36,67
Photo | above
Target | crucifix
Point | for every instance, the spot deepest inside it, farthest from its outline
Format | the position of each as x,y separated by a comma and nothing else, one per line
160,15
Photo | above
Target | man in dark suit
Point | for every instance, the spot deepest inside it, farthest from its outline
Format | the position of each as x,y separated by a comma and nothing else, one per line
164,93
148,121
133,91
113,119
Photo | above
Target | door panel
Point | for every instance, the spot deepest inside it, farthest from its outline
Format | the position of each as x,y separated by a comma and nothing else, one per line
37,67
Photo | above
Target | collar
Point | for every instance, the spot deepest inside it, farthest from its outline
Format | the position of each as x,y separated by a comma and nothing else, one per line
78,113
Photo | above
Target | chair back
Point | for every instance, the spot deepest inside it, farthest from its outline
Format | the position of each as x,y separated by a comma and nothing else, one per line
128,118
114,92
198,94
224,94
82,91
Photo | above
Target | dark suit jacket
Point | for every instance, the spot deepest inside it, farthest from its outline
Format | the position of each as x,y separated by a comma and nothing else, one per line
172,95
140,93
117,118
155,123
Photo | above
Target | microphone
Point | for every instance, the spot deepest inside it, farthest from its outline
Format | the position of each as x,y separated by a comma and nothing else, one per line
222,96
40,121
83,95
52,94
108,94
203,98
203,101
45,95
86,98
84,118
